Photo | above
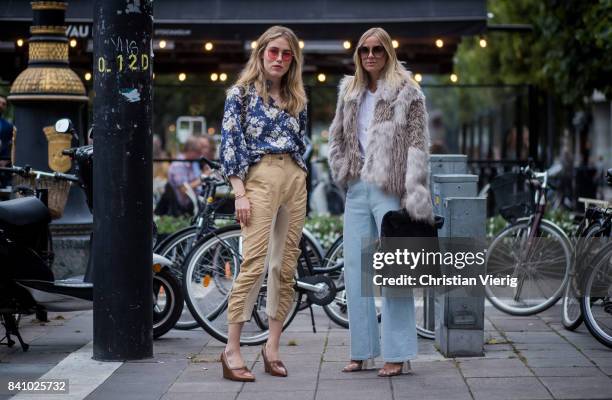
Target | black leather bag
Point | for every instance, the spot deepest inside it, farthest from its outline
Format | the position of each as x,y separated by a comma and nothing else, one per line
400,224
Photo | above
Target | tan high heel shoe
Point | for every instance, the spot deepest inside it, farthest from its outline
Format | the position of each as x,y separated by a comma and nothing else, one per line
240,374
274,367
397,369
353,366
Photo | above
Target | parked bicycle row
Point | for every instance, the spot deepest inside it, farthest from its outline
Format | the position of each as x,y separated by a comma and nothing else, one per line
198,264
547,262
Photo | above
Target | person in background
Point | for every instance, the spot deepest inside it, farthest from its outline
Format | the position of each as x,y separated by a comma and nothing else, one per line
6,140
182,175
160,169
208,150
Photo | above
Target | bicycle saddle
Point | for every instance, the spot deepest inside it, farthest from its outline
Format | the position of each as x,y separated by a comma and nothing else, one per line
24,211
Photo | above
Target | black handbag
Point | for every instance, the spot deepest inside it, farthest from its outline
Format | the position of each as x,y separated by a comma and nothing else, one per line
400,224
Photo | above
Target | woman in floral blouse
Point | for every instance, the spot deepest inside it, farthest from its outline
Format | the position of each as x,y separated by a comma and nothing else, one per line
261,152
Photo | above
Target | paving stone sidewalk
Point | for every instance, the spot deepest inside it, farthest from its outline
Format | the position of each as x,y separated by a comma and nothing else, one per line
525,358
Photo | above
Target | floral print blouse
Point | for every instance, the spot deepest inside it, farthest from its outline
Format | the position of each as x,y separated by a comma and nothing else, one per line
267,130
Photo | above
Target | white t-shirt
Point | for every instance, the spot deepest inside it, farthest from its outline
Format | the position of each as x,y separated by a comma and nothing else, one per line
366,112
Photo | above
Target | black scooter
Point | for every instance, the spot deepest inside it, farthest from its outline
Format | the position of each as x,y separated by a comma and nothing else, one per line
27,283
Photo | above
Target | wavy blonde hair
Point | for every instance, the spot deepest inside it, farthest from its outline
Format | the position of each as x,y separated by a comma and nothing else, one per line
393,72
292,87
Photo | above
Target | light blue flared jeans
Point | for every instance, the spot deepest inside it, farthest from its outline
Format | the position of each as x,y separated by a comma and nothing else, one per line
365,207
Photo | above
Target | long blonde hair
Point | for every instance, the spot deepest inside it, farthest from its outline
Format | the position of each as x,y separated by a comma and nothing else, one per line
292,87
393,72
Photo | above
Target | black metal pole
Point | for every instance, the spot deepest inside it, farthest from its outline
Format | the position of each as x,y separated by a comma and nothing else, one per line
123,309
518,118
534,132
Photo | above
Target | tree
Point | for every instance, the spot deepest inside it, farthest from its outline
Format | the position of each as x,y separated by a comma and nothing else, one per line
568,53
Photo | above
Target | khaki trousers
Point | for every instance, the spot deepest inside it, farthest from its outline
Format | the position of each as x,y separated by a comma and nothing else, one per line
276,189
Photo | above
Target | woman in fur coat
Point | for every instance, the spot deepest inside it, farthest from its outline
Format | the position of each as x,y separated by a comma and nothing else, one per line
379,149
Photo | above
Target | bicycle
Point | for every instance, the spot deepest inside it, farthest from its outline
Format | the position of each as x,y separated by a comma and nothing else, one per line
595,224
337,310
214,263
177,246
532,249
593,276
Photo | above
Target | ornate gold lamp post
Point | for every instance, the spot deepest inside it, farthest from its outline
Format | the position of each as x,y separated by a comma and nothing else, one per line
44,92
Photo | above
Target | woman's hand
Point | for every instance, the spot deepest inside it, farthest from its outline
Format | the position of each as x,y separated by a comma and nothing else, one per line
243,210
241,204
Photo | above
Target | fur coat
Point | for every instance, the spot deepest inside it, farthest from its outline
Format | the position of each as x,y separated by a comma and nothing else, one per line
397,149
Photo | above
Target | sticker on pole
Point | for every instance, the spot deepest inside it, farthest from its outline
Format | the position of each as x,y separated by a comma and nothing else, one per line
131,95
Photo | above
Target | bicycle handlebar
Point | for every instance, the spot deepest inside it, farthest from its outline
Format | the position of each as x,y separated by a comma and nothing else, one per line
29,172
212,164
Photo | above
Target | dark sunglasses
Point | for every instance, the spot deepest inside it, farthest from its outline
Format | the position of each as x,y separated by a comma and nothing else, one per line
377,51
273,52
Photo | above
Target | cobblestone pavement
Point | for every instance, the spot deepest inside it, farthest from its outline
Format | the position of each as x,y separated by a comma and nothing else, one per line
525,358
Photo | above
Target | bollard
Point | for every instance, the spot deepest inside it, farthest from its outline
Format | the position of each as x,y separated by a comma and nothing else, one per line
439,164
460,326
459,320
448,164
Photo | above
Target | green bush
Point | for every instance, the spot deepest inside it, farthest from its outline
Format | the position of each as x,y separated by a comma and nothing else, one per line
563,218
167,224
326,228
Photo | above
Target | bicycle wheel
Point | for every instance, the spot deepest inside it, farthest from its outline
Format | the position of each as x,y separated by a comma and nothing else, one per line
167,302
585,250
541,274
176,248
597,300
337,310
314,256
210,271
